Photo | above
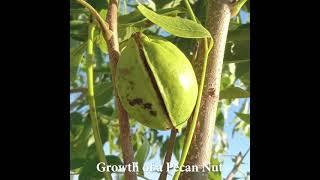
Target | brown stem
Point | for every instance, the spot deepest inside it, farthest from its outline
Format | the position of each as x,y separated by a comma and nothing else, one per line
77,90
236,166
76,101
168,156
195,53
107,33
113,48
200,151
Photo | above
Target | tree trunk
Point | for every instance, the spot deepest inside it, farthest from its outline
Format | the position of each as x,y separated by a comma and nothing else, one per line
200,151
113,48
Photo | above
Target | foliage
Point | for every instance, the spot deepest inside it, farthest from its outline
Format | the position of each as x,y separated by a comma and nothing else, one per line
235,82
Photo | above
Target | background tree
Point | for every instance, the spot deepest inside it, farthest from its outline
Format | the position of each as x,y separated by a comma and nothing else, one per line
231,47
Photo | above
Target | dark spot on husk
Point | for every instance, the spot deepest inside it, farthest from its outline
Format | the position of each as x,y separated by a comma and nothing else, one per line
137,37
131,85
135,101
147,106
153,113
124,71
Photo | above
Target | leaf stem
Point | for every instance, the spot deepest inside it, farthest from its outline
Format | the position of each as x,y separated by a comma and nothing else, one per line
197,108
93,113
193,17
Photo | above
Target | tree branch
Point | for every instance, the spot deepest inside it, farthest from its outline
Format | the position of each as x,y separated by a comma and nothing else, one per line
77,90
107,33
239,159
167,159
194,53
113,48
76,101
199,154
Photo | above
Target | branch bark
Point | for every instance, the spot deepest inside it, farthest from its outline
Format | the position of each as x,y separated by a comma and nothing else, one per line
237,164
199,154
78,90
167,159
113,48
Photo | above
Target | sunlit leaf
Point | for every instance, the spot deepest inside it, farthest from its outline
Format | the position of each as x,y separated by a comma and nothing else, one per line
215,175
89,171
244,117
101,43
76,56
242,33
103,93
234,92
175,25
142,155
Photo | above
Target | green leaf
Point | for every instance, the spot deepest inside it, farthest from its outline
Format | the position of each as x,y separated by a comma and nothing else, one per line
114,160
242,126
104,132
77,163
161,3
98,4
178,146
214,175
136,22
103,13
186,45
163,149
101,43
237,51
242,33
243,69
103,93
76,11
76,118
79,30
200,9
142,155
74,4
80,132
220,121
76,56
89,171
105,110
125,31
136,17
244,117
154,150
245,78
175,25
233,92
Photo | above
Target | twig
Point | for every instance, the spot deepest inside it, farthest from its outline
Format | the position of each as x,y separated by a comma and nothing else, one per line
77,90
113,48
237,164
195,53
168,156
75,102
107,33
